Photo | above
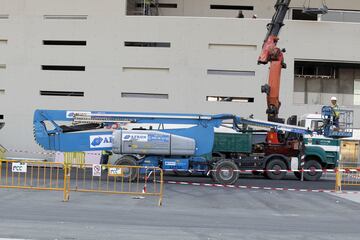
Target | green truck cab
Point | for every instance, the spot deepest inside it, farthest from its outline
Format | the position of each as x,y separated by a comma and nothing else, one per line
248,152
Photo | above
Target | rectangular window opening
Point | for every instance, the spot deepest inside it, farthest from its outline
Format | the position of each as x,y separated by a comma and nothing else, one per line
64,42
230,72
2,91
230,99
231,7
147,44
66,17
62,93
2,66
297,14
315,82
3,41
1,117
4,16
62,68
159,5
145,95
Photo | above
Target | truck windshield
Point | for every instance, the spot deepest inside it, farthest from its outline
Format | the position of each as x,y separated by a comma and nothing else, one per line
302,123
317,124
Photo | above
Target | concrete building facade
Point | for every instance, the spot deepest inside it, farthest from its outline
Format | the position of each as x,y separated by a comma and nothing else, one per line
103,55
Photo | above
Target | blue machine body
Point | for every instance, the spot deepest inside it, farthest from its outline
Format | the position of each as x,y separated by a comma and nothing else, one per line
175,164
50,135
54,138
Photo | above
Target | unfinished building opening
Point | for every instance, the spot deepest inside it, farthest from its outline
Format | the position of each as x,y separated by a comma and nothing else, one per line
316,82
150,7
2,123
62,93
62,68
64,42
231,7
147,44
229,99
298,14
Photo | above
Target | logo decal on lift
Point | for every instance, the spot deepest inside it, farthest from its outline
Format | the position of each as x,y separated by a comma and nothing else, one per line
100,141
135,137
70,114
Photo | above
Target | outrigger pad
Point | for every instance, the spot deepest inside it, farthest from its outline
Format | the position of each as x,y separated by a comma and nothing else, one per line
323,10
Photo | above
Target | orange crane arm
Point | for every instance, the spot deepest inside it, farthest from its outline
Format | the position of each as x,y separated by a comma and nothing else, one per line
271,53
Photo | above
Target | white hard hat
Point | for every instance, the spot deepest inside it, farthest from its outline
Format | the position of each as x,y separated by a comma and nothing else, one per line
333,99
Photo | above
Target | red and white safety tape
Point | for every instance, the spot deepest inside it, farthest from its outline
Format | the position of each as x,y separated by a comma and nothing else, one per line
295,170
259,188
346,170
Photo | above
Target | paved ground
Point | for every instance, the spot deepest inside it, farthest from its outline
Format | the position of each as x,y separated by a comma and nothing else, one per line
189,212
326,182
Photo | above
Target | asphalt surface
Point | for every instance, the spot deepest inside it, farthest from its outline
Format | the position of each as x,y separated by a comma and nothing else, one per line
189,212
327,182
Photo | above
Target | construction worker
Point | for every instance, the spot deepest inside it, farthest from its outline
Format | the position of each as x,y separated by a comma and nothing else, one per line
240,15
147,7
336,111
105,158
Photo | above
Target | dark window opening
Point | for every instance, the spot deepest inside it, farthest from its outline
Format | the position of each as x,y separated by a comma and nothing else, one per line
316,82
297,14
2,124
62,68
159,5
231,7
148,44
62,93
230,99
317,69
64,42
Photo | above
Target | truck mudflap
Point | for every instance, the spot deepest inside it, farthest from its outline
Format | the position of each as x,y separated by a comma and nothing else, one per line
294,164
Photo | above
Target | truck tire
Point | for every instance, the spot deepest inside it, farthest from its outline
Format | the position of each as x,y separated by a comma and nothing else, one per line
312,165
275,164
225,172
130,174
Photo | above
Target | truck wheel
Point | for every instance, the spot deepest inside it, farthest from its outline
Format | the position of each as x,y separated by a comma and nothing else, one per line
312,165
225,172
129,174
275,166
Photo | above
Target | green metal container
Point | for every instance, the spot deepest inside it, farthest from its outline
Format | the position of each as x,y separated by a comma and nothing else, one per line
233,142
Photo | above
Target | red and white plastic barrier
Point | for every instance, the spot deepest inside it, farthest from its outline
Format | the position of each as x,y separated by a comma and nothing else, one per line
345,170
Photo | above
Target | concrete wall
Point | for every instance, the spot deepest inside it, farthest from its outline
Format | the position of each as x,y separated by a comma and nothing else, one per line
197,44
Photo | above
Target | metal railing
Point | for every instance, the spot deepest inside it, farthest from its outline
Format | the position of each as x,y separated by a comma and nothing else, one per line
81,177
34,175
117,179
348,172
